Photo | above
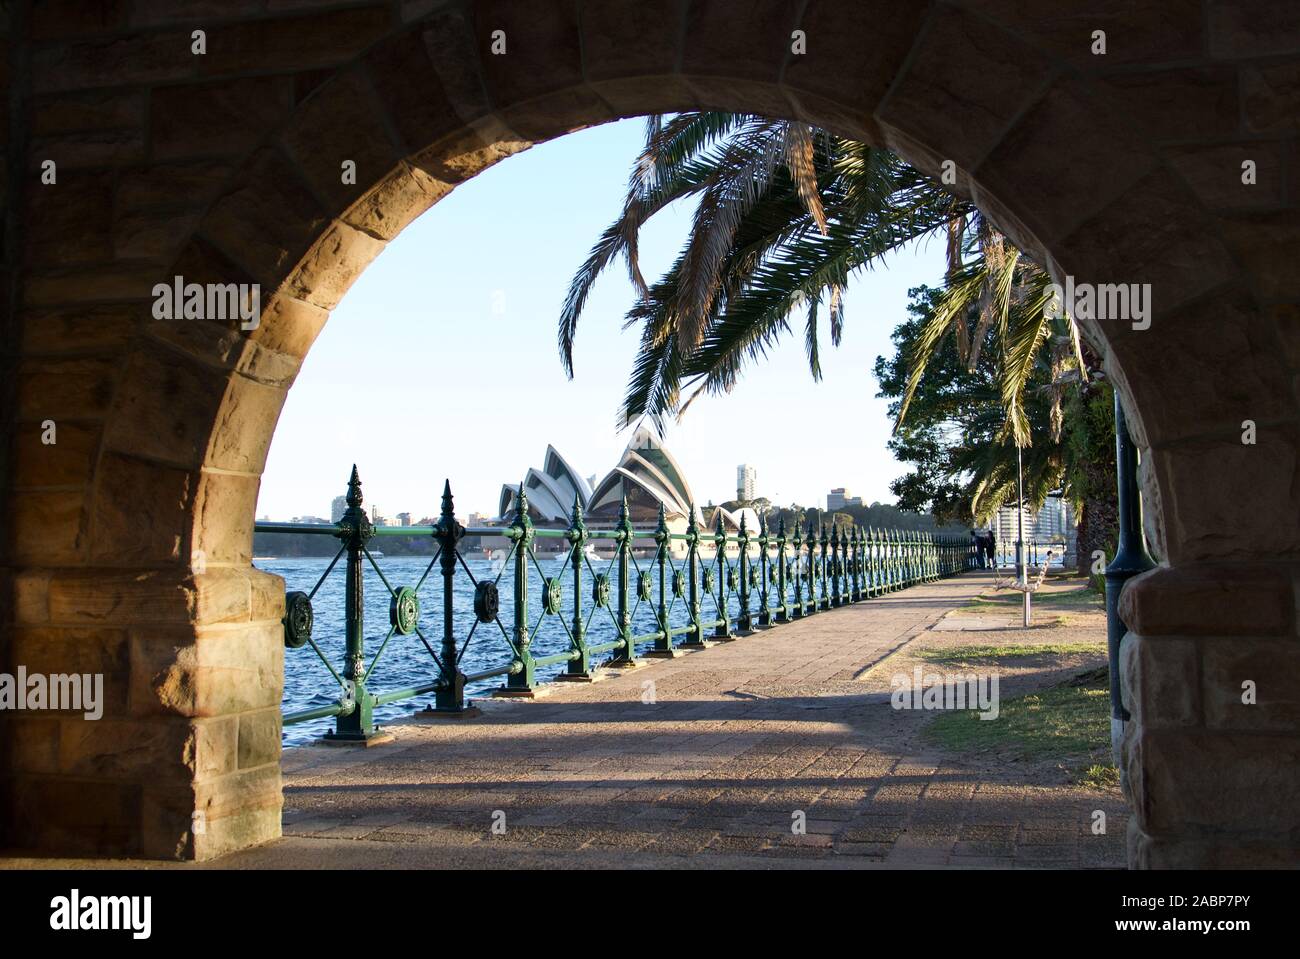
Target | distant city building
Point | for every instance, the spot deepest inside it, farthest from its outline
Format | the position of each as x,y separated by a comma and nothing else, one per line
338,508
746,477
310,520
839,498
378,518
478,519
403,519
1054,522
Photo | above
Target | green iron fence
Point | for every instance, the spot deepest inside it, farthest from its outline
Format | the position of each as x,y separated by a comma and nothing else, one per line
707,595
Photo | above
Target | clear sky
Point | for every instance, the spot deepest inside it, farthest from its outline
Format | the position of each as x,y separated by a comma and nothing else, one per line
441,360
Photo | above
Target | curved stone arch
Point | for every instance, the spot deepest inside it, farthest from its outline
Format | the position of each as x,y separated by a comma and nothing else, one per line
283,224
1091,162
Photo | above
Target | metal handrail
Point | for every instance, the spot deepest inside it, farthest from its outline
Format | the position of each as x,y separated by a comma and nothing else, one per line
773,578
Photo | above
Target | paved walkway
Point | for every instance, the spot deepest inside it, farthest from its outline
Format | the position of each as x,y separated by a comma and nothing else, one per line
701,761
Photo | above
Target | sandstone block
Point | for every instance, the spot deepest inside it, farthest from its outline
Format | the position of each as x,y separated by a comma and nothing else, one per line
343,120
217,673
68,462
259,738
242,433
1271,665
140,511
936,102
1161,680
332,265
1054,197
224,507
267,220
1190,784
165,406
1210,600
386,209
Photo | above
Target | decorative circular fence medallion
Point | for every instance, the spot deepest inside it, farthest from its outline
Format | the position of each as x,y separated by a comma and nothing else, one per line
753,577
551,596
733,580
487,601
600,590
708,581
643,586
679,583
404,610
297,619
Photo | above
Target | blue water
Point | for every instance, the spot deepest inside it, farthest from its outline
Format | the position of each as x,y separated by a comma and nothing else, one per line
405,661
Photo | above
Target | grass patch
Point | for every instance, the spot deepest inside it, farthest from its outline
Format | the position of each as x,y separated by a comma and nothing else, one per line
1099,777
965,654
1066,722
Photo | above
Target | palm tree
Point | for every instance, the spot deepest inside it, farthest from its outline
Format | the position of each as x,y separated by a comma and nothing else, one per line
786,214
965,464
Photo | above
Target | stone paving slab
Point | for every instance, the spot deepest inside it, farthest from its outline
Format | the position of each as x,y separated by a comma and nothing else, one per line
702,761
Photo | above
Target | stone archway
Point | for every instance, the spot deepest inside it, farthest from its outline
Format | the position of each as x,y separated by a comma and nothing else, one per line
127,544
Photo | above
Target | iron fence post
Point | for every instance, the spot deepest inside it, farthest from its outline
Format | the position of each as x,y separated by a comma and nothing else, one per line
578,537
799,575
628,654
693,580
663,540
813,571
723,629
868,562
525,680
856,593
451,697
745,621
783,607
822,600
765,570
357,724
836,557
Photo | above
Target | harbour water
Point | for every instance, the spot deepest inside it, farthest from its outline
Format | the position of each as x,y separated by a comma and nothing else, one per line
406,662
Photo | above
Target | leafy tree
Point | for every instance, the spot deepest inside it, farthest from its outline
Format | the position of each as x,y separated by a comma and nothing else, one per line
964,467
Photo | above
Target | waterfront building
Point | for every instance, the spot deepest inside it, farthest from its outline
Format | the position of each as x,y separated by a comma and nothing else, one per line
1054,522
646,475
839,498
746,478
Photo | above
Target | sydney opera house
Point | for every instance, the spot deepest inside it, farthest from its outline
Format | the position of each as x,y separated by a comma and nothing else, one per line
646,474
